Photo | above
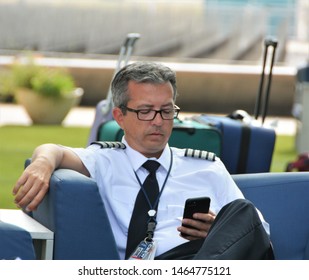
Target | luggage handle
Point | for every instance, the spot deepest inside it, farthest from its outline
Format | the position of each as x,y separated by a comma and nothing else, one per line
267,43
124,56
126,50
189,129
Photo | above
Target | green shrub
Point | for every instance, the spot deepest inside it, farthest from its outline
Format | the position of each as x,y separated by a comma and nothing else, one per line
50,82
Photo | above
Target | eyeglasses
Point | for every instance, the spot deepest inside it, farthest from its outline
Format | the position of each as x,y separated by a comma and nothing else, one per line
149,115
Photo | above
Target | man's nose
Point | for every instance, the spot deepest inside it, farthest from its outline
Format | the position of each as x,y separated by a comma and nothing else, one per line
157,118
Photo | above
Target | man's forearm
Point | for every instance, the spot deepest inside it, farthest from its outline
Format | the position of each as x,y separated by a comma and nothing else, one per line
50,154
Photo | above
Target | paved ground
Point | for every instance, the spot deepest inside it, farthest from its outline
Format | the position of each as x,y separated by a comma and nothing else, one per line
11,114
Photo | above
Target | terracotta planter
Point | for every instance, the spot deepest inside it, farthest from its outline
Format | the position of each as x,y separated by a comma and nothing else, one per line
47,110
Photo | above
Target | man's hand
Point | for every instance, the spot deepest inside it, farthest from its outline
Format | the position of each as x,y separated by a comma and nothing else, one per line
200,226
32,185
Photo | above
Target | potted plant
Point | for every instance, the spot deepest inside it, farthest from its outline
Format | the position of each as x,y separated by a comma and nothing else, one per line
47,94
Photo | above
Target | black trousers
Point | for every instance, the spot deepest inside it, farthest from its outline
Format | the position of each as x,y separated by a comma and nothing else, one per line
236,234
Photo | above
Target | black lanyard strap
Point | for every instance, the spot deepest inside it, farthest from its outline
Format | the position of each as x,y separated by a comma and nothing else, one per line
152,213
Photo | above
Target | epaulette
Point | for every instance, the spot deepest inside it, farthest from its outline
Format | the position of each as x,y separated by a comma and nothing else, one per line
106,144
200,154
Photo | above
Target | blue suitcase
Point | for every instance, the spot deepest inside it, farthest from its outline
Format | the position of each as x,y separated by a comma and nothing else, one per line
185,134
246,148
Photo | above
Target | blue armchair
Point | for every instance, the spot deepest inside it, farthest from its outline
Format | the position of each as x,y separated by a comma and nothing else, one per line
15,242
75,212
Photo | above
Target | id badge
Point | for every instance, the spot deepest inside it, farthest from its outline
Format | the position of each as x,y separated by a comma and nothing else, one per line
144,251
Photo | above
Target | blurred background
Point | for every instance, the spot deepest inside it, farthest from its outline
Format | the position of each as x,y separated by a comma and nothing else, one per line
221,30
224,37
215,47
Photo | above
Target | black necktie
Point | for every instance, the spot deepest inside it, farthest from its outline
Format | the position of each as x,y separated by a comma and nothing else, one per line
138,223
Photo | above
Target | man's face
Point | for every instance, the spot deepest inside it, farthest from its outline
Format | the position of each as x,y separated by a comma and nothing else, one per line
147,137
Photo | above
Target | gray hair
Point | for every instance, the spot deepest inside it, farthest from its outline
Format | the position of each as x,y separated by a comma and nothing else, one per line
140,72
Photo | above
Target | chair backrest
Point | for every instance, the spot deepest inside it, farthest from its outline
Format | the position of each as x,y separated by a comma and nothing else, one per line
283,199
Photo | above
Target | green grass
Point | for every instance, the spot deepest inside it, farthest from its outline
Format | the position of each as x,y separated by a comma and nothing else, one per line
18,142
284,152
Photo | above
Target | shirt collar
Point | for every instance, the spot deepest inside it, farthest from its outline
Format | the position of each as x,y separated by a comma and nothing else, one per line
137,159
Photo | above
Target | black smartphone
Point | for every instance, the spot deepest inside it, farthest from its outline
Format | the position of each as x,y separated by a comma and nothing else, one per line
196,205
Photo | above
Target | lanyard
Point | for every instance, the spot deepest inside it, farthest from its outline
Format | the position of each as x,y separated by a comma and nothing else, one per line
152,213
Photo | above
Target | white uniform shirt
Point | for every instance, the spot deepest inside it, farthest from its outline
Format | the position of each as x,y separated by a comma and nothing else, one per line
113,170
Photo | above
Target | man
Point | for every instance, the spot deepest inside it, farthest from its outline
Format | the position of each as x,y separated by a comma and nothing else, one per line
144,96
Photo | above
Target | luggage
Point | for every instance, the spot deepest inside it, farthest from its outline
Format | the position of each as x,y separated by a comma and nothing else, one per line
267,43
247,147
242,145
103,111
185,134
195,135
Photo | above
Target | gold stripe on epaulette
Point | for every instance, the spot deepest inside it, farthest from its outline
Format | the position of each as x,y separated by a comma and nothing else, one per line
107,144
200,154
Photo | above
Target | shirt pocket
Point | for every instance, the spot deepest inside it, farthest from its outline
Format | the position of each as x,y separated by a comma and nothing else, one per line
175,204
213,201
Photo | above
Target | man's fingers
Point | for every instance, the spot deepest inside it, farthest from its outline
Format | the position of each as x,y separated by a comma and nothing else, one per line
198,227
36,200
191,234
31,193
21,181
207,218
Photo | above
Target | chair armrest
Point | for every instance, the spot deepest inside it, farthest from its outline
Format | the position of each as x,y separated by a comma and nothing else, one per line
74,211
15,242
283,199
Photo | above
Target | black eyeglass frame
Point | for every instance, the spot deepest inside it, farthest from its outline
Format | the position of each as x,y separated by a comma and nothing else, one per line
176,112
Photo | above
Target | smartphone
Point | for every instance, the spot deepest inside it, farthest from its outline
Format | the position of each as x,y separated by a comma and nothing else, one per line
196,205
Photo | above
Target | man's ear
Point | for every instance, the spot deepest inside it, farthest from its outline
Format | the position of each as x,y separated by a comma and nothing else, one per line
118,116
